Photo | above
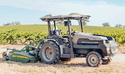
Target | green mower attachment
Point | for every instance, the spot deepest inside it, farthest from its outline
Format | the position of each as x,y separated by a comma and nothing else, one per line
27,54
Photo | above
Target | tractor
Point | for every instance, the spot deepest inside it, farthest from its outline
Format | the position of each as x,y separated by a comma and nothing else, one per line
97,49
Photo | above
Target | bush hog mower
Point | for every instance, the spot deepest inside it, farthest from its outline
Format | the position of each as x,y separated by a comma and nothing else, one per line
97,49
27,54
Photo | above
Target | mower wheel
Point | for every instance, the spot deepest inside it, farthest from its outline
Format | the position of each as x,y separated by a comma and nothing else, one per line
4,55
93,59
49,53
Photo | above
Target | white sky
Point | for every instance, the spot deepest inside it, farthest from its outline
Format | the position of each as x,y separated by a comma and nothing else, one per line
100,11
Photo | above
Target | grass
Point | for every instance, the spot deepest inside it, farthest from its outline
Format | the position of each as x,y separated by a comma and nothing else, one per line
44,28
117,33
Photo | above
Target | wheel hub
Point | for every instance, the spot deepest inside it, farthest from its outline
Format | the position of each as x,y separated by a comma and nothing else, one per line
49,53
93,60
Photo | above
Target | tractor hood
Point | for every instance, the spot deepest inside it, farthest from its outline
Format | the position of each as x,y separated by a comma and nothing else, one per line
90,36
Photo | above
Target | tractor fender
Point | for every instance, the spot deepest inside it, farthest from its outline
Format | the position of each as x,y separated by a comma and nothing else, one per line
52,40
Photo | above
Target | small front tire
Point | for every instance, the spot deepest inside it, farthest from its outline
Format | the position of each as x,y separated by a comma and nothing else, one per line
93,59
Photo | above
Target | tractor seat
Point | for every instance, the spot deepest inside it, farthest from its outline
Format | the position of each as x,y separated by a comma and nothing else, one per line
57,32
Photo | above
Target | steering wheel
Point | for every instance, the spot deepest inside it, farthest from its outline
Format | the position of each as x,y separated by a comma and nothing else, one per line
73,33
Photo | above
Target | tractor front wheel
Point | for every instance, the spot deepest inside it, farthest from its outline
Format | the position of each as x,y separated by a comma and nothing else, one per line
49,53
94,59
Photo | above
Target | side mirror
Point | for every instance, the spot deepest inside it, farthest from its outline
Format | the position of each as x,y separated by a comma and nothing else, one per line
66,23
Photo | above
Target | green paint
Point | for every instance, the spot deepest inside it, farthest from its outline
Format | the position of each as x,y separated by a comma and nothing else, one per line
24,55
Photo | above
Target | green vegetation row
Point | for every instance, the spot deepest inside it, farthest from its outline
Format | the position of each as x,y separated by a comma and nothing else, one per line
13,37
23,34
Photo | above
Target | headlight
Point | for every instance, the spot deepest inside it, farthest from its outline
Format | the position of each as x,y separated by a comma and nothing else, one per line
108,50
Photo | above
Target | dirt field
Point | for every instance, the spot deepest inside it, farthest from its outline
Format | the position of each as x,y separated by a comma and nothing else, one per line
76,66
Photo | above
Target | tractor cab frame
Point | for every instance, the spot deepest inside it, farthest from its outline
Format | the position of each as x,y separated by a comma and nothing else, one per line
67,22
97,49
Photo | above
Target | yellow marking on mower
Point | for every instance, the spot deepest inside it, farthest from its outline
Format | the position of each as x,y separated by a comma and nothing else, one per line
17,56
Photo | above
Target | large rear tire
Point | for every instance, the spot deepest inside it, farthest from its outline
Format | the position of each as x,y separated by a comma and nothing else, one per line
94,59
49,53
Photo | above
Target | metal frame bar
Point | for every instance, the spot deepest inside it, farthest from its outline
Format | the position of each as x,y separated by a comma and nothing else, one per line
82,30
54,25
70,40
49,28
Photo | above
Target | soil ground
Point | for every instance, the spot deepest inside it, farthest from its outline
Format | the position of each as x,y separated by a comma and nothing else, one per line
75,66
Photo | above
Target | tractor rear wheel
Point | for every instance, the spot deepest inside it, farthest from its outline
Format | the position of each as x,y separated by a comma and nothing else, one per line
49,53
94,59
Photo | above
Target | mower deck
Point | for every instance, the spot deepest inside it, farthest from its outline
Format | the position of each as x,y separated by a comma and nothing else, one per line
26,54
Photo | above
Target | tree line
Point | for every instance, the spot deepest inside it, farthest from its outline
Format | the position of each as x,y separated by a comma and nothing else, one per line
12,23
106,24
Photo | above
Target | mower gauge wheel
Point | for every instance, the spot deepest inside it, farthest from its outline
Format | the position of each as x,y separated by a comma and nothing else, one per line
4,54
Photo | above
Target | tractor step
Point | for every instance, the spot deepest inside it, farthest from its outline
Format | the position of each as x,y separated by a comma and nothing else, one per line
65,56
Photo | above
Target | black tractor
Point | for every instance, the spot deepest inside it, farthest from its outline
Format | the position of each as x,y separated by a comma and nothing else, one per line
97,49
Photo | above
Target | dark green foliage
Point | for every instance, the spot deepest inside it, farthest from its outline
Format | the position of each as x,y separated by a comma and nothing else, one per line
30,33
12,37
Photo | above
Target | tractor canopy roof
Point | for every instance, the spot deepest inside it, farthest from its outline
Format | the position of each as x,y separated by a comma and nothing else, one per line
75,16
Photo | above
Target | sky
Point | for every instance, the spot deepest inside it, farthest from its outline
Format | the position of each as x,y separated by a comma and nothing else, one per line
30,11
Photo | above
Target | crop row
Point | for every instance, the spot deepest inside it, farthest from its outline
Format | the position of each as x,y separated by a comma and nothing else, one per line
14,37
